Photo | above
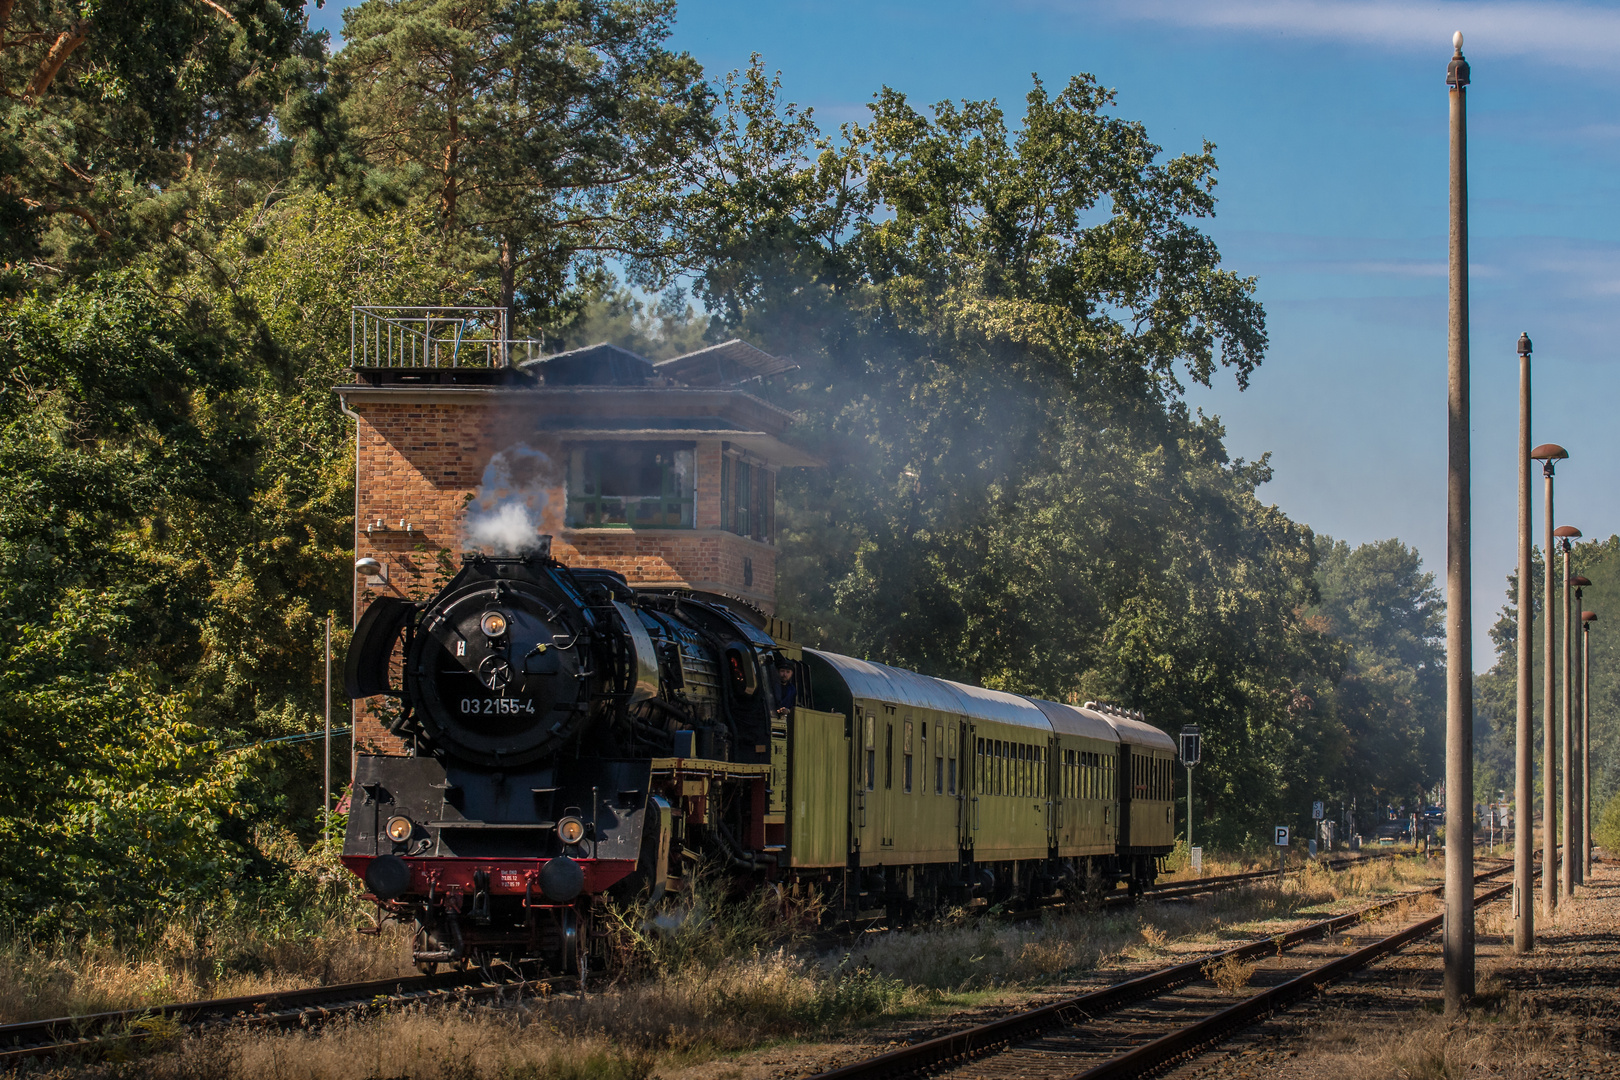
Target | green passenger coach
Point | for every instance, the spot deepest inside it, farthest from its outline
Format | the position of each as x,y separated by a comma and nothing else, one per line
909,793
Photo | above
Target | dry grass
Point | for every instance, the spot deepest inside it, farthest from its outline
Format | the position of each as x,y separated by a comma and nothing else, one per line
712,988
620,1035
1503,1036
187,962
1229,974
962,955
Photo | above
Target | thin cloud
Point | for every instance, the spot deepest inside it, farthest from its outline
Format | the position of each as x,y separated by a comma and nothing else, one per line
1566,34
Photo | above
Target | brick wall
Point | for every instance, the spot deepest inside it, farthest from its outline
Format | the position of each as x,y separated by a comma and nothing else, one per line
421,465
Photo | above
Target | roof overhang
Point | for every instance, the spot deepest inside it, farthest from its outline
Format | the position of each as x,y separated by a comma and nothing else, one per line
619,414
589,402
762,443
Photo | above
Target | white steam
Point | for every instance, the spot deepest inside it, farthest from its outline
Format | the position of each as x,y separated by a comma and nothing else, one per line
506,530
504,517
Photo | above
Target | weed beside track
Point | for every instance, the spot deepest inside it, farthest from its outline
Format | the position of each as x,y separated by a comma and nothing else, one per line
708,981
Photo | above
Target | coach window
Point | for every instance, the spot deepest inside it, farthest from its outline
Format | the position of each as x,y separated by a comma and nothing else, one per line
888,757
629,486
939,761
871,752
907,747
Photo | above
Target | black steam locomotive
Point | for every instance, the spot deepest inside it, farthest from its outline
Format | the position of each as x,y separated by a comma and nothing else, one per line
570,736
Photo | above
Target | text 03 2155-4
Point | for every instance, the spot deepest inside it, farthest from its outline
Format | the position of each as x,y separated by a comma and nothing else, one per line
495,706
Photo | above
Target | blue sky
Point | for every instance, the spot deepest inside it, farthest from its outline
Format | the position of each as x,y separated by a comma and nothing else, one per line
1329,120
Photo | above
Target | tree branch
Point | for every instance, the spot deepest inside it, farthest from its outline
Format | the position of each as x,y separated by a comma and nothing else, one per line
68,208
61,49
209,3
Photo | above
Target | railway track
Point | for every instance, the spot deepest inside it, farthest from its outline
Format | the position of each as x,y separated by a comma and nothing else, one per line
1089,1037
1176,889
289,1008
298,1008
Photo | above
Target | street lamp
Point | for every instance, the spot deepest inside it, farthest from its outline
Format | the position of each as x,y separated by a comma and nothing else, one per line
1574,787
1458,945
1566,870
1549,454
1524,915
1587,619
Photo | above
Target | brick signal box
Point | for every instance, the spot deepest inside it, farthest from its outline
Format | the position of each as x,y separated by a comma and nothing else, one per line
665,472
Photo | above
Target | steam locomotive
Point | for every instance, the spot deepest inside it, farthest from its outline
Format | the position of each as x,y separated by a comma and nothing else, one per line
570,737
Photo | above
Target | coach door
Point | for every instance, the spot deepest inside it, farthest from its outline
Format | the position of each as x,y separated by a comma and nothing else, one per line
863,773
967,788
1051,770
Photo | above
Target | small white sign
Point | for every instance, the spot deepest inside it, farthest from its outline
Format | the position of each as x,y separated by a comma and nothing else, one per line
1318,811
1198,860
1282,836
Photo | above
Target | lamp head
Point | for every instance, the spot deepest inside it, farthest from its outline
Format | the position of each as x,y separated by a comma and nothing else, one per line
368,566
1524,344
1589,616
1549,452
1579,582
1566,532
1457,70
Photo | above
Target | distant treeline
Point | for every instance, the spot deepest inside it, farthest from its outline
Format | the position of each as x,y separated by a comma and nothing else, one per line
995,320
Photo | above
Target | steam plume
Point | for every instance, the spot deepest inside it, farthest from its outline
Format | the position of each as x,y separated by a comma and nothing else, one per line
504,517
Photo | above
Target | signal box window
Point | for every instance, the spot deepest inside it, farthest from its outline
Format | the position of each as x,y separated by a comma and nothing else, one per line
630,486
747,500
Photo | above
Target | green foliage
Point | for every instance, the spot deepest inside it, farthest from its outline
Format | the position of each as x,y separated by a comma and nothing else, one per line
1496,691
112,115
518,122
1606,826
1386,610
994,324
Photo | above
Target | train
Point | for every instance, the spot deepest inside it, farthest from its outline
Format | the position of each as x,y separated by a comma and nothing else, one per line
570,739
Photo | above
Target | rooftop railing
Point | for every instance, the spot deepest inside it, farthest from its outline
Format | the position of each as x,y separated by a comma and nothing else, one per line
408,337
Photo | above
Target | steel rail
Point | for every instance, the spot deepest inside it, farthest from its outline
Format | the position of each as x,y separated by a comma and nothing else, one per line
287,1008
43,1038
1020,1027
1190,1041
1175,889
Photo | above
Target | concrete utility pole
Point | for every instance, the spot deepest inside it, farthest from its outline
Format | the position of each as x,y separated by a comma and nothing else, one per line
1549,454
326,792
1524,917
1459,924
1566,872
1574,790
1587,619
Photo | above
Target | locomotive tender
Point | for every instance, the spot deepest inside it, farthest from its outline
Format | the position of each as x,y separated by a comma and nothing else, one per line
574,737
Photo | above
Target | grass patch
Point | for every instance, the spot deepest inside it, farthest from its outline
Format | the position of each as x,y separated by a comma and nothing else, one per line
721,973
305,937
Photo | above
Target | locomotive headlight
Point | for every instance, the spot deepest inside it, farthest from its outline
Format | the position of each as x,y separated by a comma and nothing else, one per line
399,829
493,624
570,830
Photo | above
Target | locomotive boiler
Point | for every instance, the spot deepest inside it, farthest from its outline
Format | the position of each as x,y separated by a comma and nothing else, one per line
569,737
